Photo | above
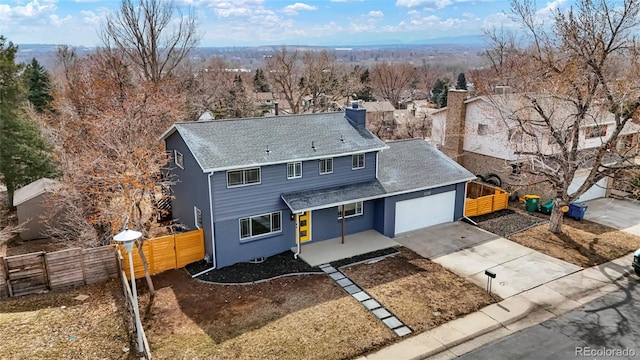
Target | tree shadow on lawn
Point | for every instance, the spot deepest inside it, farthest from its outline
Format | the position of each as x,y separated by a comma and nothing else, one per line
224,312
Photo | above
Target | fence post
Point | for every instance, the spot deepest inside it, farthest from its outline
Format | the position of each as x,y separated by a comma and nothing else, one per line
5,275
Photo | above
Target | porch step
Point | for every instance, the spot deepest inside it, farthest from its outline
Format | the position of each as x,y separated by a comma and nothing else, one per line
366,300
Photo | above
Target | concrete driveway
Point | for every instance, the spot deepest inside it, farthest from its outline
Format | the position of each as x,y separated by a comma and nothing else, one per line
468,251
619,214
443,239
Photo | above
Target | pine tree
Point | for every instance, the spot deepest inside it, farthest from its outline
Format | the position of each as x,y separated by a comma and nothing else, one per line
24,154
439,93
365,93
462,82
37,79
260,82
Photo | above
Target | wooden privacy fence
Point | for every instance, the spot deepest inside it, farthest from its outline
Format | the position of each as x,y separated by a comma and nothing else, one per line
484,198
40,271
166,253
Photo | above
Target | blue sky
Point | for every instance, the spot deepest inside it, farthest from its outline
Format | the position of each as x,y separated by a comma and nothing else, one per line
270,22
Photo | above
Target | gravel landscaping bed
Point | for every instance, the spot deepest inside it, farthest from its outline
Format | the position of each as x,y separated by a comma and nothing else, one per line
274,266
507,222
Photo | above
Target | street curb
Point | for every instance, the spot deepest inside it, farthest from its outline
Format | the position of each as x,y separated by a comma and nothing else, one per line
478,333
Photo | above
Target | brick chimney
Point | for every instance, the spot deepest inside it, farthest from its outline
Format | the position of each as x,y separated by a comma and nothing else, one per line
356,115
454,128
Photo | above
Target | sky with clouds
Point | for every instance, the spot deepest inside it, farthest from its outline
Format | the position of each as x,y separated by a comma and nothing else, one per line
270,22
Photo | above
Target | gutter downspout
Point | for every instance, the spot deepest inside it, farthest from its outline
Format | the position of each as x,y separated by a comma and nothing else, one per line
295,255
213,237
465,206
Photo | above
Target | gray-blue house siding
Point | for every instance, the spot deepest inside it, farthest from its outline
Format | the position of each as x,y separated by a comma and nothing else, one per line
392,173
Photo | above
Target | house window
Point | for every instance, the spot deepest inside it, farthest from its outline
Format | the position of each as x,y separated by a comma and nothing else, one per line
595,132
197,215
178,159
483,129
243,177
326,166
357,161
353,209
294,170
260,225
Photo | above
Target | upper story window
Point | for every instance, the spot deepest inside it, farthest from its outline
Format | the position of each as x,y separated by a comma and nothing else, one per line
260,225
326,166
596,131
294,170
243,177
483,129
353,209
357,161
178,158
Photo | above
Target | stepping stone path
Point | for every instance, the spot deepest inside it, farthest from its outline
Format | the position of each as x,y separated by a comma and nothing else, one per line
371,304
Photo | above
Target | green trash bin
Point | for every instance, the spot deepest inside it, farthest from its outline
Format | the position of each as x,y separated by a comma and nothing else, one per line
546,207
531,202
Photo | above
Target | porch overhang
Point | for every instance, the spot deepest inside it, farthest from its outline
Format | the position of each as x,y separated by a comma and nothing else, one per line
302,201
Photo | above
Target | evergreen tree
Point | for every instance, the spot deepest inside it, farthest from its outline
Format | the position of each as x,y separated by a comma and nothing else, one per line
462,82
24,154
260,82
365,93
37,79
439,92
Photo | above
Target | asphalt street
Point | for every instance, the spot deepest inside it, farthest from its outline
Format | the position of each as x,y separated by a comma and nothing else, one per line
606,328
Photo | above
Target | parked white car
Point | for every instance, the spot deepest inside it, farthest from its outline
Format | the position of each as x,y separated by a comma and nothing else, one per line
636,262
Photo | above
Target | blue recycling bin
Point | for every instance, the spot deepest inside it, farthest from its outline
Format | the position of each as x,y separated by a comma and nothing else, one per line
576,211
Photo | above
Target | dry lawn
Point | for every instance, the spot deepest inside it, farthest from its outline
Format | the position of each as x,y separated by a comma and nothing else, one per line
421,293
56,326
583,243
300,317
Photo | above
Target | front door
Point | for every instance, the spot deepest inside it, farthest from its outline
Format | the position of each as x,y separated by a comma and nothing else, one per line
305,226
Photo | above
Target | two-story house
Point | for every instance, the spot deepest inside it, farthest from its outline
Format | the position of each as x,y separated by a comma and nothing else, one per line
480,134
260,186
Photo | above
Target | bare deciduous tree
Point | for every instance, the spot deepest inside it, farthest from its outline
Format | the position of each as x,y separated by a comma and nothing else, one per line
150,36
579,73
388,81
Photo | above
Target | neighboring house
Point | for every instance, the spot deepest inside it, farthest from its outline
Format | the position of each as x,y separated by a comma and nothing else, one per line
29,201
474,132
250,183
379,109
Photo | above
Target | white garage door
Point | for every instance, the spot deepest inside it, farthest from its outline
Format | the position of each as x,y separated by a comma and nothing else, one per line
424,211
596,191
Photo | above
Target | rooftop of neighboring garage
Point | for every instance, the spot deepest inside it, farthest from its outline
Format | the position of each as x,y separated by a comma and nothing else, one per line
406,166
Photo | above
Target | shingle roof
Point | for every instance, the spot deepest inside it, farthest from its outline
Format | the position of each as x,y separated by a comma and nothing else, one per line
235,143
321,198
416,164
34,189
406,166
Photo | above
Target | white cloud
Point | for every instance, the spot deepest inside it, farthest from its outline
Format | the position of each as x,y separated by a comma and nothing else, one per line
438,4
91,18
377,14
57,21
551,7
32,9
293,9
343,1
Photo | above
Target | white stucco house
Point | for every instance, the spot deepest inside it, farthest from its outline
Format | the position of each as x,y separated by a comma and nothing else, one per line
483,134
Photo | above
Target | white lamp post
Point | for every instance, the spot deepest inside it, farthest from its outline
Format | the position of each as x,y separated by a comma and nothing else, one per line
127,238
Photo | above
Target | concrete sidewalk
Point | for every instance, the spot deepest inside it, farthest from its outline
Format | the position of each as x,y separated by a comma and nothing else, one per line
515,313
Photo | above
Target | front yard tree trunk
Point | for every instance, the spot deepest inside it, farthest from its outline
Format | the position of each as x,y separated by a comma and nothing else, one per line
555,222
147,275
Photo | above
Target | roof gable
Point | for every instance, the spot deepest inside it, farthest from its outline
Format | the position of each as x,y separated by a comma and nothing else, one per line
236,143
